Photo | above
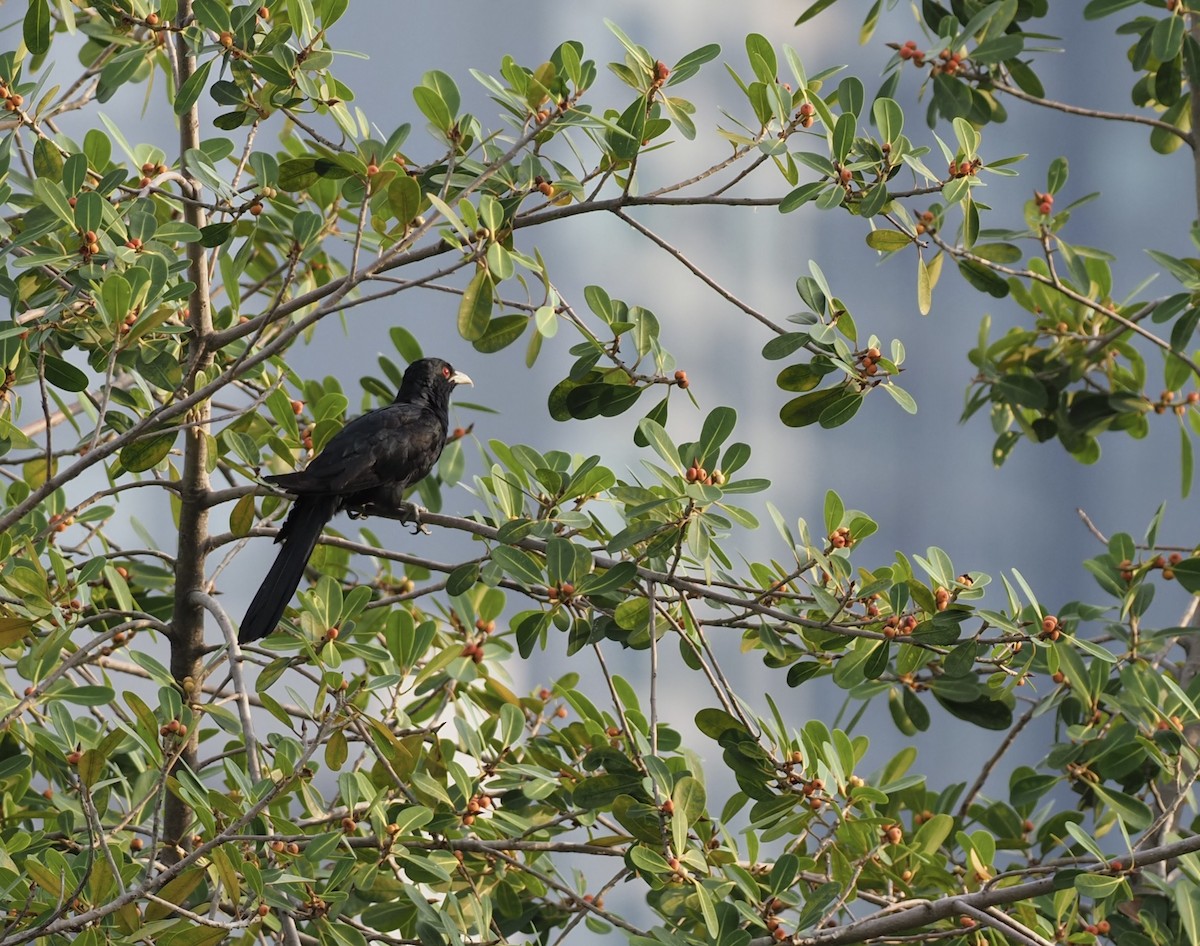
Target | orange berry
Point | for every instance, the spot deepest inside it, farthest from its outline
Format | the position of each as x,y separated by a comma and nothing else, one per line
152,19
256,208
136,844
225,39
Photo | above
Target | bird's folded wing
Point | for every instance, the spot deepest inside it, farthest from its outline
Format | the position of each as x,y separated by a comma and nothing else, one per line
396,445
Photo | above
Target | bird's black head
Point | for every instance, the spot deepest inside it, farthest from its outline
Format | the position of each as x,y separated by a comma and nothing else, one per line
430,379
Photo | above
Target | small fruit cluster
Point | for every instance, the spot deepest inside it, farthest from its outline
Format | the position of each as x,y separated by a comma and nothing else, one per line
1098,929
868,361
771,921
892,834
12,100
697,474
681,379
1051,629
544,187
1167,399
59,523
805,114
1044,201
1167,565
925,224
951,63
175,729
909,51
149,171
476,804
965,167
291,847
897,626
841,538
474,648
89,245
948,62
561,591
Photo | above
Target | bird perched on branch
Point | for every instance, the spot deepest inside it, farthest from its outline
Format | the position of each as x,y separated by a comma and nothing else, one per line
368,463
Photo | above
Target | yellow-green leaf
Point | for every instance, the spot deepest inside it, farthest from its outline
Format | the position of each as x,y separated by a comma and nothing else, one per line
924,287
475,311
242,516
14,630
887,241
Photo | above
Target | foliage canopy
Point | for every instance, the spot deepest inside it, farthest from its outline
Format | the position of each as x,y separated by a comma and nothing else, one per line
390,786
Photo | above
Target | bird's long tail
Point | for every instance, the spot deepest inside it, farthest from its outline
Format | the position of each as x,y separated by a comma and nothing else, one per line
298,537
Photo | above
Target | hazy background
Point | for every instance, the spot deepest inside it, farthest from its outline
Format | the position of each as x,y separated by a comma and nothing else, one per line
926,479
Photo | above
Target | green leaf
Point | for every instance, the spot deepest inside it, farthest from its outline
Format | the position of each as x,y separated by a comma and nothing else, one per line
889,118
64,375
626,140
983,712
519,564
36,31
404,198
475,310
89,211
690,64
901,397
843,135
190,91
660,440
1099,8
1022,391
806,409
1166,39
143,454
813,10
51,194
998,252
983,278
888,241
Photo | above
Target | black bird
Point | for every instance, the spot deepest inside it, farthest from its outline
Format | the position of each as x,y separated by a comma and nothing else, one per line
369,462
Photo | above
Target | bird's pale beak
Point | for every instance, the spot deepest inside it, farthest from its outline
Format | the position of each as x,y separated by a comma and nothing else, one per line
460,377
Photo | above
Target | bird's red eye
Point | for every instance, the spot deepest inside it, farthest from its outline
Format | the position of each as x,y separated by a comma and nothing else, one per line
446,371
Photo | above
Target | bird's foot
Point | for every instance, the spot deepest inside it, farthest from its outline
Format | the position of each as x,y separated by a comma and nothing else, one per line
410,514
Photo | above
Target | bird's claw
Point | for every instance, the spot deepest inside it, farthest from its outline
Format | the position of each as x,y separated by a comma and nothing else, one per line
410,515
